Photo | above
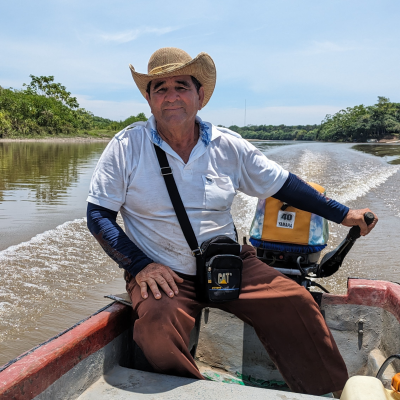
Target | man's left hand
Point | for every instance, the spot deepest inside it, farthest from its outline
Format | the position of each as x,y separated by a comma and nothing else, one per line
356,218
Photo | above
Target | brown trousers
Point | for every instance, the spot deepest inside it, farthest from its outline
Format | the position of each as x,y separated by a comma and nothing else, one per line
284,315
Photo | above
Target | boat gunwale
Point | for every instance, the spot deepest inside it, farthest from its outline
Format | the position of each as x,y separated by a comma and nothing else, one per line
37,369
14,360
368,292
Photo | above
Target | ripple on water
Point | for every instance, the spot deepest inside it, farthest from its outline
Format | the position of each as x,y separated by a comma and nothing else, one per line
42,273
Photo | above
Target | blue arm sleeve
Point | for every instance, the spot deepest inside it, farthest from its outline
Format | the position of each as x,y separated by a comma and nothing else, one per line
299,194
102,224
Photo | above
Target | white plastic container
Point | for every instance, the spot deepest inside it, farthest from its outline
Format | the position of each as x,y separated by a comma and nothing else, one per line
367,388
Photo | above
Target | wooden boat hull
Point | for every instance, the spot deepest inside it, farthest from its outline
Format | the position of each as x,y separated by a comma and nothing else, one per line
365,323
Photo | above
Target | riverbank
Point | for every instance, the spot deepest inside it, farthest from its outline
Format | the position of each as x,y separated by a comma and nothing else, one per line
394,140
99,135
77,139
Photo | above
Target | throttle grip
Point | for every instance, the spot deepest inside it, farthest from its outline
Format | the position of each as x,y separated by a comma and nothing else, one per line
369,218
354,232
332,261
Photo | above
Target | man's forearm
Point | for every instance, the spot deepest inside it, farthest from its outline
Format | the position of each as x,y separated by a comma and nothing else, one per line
299,194
102,223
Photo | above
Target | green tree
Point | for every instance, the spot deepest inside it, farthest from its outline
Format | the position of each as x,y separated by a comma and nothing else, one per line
301,134
45,86
47,108
360,123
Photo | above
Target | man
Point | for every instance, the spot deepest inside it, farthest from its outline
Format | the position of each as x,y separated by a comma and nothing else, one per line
209,165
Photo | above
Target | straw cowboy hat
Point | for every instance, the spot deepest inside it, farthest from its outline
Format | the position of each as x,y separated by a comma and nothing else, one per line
170,61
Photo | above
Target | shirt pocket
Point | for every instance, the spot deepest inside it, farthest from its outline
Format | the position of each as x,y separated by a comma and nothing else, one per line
219,192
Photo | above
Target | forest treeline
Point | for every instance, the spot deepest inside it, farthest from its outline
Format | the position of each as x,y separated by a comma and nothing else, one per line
361,122
45,108
354,124
277,132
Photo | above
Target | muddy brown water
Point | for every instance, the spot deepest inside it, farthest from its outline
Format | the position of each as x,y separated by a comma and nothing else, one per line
55,274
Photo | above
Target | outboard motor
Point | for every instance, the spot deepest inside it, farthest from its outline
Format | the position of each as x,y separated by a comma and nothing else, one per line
291,240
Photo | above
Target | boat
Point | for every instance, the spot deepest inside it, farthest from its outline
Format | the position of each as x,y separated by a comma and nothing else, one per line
97,358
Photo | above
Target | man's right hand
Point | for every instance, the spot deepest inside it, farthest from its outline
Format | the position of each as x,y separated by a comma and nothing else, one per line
356,218
157,275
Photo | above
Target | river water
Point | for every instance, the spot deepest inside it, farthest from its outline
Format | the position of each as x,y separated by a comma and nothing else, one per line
54,273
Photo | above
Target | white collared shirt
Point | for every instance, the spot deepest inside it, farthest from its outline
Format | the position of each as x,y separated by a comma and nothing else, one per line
128,179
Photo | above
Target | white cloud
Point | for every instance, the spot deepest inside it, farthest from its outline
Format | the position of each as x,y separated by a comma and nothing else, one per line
132,34
328,47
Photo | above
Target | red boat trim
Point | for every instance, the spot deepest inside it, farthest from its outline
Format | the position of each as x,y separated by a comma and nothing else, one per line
36,370
372,293
2,368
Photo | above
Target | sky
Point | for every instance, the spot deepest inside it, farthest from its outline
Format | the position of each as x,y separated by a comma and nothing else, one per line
290,61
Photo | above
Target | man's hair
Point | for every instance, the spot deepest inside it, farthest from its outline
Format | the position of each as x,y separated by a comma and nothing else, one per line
196,84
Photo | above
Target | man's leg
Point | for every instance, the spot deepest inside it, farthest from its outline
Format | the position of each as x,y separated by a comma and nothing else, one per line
163,328
290,326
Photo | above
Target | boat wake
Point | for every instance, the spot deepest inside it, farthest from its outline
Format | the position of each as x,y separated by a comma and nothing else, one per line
42,273
345,177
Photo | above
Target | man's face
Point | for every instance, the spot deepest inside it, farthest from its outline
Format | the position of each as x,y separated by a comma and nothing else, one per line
174,101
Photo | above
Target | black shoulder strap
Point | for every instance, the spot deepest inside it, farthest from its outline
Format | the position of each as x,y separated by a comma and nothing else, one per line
176,201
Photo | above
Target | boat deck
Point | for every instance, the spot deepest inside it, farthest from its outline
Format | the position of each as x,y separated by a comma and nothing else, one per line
130,384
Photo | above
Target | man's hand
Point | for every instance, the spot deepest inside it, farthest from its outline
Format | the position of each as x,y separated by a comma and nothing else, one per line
356,218
155,275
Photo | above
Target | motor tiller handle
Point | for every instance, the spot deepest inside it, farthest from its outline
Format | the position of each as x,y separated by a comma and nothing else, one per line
332,261
354,232
369,218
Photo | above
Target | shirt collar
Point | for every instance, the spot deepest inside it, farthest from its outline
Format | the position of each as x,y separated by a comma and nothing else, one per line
208,132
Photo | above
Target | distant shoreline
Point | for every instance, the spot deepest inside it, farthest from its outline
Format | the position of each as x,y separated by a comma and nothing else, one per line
388,141
57,139
79,139
86,139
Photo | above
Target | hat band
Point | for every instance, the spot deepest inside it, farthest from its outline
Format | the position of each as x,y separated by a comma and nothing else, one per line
165,68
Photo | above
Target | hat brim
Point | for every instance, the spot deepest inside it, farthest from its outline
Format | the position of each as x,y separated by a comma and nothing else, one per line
201,67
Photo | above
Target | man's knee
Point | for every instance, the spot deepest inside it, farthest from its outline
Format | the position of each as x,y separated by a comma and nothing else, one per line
157,312
153,322
162,327
162,319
